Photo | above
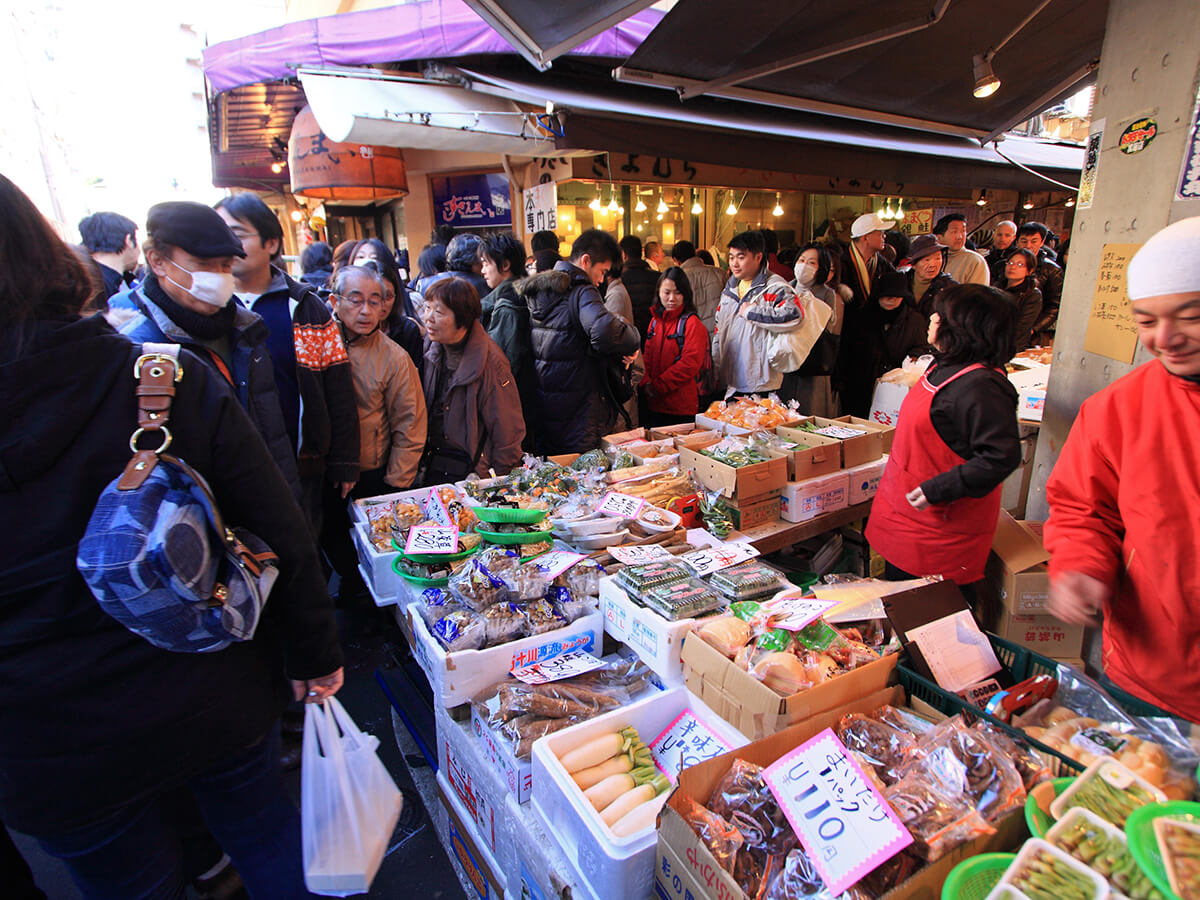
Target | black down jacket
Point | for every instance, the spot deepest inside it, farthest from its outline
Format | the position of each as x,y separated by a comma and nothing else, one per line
574,337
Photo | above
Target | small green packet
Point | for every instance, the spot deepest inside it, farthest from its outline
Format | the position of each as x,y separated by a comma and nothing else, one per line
818,636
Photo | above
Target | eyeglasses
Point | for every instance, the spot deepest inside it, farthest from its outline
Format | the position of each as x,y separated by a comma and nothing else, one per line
355,300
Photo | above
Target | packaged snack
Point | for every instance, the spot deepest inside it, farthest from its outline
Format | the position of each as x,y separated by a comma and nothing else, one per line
505,622
638,580
781,671
524,582
992,782
476,586
571,605
903,719
433,603
1029,765
937,821
460,630
728,634
583,578
542,616
381,519
886,748
718,835
524,730
682,599
745,801
747,580
407,515
799,880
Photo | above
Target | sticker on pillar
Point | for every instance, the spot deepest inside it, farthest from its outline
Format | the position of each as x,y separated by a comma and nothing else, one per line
1137,135
1091,165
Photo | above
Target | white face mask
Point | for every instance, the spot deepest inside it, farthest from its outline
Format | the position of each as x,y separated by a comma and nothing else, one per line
213,288
805,274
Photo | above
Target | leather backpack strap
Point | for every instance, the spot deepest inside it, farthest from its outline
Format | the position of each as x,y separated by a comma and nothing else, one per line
157,371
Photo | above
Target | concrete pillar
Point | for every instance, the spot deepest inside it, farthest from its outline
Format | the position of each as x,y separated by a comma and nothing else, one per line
1149,67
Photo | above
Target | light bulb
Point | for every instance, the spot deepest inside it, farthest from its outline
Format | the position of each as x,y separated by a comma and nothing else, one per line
1028,204
595,204
899,210
613,206
641,205
297,215
276,167
697,209
982,201
639,228
1070,202
620,210
659,217
662,206
778,210
731,210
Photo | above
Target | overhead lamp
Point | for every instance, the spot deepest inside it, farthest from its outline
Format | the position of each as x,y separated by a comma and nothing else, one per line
662,207
297,216
1028,204
778,210
1070,202
982,201
886,213
613,205
697,209
595,204
639,228
731,209
641,205
277,167
899,209
620,210
986,82
659,217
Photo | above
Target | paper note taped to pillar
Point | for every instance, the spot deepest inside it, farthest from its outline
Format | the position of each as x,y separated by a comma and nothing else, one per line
1111,330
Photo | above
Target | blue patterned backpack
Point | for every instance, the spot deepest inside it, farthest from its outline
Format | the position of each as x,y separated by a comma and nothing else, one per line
157,555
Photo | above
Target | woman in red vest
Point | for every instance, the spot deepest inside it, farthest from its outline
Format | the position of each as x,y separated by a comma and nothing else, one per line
676,353
956,441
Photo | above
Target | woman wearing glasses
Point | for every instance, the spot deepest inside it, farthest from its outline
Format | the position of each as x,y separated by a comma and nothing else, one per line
1022,287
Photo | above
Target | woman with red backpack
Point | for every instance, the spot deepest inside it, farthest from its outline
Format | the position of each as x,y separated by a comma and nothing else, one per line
678,364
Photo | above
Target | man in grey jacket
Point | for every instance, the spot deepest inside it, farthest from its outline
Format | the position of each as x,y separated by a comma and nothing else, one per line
707,282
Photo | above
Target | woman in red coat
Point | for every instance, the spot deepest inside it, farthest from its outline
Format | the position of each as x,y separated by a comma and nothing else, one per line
676,353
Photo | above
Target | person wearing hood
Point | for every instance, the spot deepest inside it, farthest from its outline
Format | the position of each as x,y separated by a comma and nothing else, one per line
186,298
888,329
475,421
1123,528
578,347
101,727
927,277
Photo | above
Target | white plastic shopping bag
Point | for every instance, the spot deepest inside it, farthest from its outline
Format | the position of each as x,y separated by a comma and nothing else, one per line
893,387
349,804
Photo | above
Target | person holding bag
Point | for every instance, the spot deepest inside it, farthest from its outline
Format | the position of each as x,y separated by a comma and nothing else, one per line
100,725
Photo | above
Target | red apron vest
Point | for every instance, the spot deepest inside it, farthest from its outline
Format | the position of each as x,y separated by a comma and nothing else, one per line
948,539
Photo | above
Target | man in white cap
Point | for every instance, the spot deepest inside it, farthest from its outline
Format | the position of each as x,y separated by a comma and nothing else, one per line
862,263
1124,528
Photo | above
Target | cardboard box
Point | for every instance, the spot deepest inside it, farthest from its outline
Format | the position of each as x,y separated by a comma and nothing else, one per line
754,513
804,500
698,439
757,481
482,871
1016,569
887,430
823,456
564,459
1043,634
672,431
609,441
864,480
756,710
857,450
685,867
704,421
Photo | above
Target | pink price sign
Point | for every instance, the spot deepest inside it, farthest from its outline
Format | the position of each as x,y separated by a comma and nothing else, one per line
845,825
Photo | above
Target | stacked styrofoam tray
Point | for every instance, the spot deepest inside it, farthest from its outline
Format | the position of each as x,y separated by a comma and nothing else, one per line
379,599
610,867
376,566
656,640
458,677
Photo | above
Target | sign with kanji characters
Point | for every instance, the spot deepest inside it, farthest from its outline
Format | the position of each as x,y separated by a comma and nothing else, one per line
435,510
845,825
541,207
722,556
639,553
1111,330
687,741
471,201
1189,170
527,656
555,562
620,505
433,539
795,613
1091,165
565,665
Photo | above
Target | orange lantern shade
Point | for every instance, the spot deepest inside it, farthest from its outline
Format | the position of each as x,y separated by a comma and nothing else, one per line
350,173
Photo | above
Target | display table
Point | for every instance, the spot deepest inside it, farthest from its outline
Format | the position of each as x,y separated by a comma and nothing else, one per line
779,534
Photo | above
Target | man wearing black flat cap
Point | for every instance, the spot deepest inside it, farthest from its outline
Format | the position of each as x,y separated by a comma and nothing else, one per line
187,298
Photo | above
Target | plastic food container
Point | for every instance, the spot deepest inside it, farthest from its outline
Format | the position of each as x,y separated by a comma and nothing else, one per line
747,581
598,525
1035,847
1142,833
1112,778
599,541
656,641
975,878
649,512
1076,816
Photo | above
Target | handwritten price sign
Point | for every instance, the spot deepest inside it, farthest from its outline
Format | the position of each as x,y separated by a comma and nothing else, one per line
436,510
555,562
846,827
685,742
432,539
722,556
565,666
794,613
621,505
639,553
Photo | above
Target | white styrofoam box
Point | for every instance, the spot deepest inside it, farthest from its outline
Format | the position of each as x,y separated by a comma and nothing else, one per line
487,859
379,599
376,566
543,872
864,480
517,774
655,640
609,867
458,677
804,500
416,495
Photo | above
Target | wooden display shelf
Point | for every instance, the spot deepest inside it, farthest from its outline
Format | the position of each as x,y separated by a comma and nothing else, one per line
776,535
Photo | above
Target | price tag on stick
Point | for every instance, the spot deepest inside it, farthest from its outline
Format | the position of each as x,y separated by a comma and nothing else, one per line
431,539
620,505
845,825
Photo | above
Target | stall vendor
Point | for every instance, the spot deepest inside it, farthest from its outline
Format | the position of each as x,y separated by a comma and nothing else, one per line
1124,497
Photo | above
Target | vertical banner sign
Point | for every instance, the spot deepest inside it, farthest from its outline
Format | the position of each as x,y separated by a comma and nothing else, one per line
1111,331
845,825
1189,171
1091,165
541,207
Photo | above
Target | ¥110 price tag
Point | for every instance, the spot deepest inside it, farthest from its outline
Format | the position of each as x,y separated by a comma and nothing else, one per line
566,665
639,553
845,825
621,505
555,562
687,741
432,539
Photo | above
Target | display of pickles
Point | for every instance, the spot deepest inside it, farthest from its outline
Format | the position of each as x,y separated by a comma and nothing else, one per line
1109,802
1106,852
1041,875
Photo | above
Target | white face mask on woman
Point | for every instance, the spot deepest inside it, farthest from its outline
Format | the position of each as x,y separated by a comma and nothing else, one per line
213,288
805,275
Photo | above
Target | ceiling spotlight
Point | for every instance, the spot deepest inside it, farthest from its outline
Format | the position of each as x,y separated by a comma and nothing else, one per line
276,167
662,206
659,217
778,210
641,205
297,216
1028,204
697,209
986,82
899,209
1070,202
595,204
731,209
639,228
982,201
613,205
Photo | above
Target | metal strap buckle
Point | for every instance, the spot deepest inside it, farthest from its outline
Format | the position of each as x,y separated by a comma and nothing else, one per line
158,358
166,433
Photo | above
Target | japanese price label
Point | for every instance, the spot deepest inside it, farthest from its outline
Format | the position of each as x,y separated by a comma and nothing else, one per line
565,666
436,510
555,562
794,613
621,505
713,559
840,432
431,539
685,742
640,553
844,823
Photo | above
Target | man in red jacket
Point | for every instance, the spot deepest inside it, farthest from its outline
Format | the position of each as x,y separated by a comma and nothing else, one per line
1124,497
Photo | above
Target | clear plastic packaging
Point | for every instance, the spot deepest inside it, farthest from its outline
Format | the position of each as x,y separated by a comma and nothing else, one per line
799,880
747,580
523,582
583,578
721,838
478,584
886,748
903,719
460,630
638,580
433,603
938,822
992,782
571,605
683,599
743,799
1029,765
1043,872
504,622
542,616
1109,790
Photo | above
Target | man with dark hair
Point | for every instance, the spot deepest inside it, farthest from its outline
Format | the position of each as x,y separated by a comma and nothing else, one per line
111,239
578,347
316,265
963,265
544,240
463,260
755,305
505,317
707,282
771,246
639,280
1031,236
312,368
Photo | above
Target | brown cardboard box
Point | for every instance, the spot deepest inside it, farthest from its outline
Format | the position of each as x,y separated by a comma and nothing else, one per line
756,710
609,441
1016,569
757,481
757,512
888,431
1042,634
823,456
856,450
698,439
672,431
564,459
683,858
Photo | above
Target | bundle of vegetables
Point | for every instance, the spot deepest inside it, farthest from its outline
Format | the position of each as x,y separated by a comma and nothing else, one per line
1041,875
1179,844
714,514
1094,790
616,773
1104,850
660,487
734,452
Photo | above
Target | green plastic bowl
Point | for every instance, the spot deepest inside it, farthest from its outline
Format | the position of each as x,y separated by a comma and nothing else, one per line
1038,818
1143,842
429,559
509,516
974,878
498,537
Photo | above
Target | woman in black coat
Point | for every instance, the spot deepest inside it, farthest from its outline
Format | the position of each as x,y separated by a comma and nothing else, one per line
1020,284
99,724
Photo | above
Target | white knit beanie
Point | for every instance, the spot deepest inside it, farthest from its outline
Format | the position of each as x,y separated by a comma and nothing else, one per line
1168,263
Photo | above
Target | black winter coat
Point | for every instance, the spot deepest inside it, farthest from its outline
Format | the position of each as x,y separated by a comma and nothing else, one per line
881,341
940,284
574,337
93,715
640,281
1049,278
1029,308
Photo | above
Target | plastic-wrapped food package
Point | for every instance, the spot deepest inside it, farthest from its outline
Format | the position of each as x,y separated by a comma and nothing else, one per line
1028,764
571,605
542,616
433,603
728,634
799,880
524,582
557,700
504,621
583,578
992,781
744,799
937,822
721,838
884,747
747,580
524,730
460,630
903,719
476,585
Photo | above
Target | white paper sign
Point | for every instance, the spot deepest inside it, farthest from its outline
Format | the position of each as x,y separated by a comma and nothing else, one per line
622,505
958,653
713,559
555,562
845,825
840,432
639,553
433,539
794,613
541,207
436,511
565,666
685,742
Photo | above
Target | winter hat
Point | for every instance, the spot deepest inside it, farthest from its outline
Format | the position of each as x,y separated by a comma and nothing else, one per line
194,227
867,223
923,245
891,284
1168,263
